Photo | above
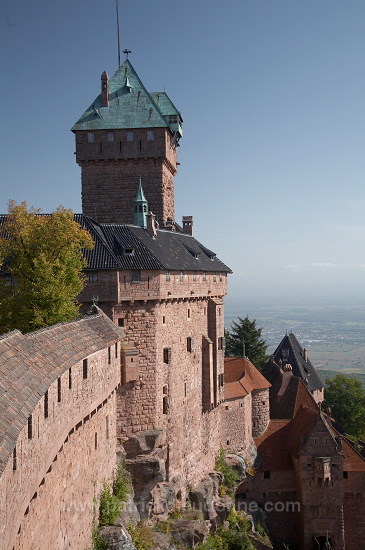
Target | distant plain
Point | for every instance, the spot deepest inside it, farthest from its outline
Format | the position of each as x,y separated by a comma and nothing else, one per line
333,332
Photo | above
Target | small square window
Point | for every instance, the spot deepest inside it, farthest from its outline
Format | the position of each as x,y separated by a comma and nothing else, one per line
92,276
267,475
110,136
150,135
90,137
136,276
130,135
121,322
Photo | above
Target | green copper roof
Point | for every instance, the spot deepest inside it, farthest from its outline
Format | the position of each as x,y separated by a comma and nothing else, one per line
140,194
130,106
140,207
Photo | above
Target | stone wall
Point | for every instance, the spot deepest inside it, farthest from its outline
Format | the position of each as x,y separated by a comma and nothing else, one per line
260,412
238,423
169,394
46,490
111,171
354,513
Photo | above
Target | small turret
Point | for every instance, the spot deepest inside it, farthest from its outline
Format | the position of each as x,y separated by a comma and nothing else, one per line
140,207
104,90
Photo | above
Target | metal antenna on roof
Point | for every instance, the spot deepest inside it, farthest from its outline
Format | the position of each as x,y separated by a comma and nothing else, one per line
118,31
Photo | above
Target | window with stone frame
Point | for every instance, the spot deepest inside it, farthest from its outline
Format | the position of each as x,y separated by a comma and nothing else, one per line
190,344
165,400
167,356
136,276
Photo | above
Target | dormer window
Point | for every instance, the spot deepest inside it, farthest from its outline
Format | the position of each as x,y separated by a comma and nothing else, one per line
128,252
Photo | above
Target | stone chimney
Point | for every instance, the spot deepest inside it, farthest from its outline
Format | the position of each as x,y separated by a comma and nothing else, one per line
152,224
104,90
188,222
285,379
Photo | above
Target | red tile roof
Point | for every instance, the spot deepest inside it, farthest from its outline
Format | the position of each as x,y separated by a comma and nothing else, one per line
287,404
241,377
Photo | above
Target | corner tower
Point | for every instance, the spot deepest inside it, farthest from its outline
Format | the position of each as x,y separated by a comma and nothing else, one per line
126,133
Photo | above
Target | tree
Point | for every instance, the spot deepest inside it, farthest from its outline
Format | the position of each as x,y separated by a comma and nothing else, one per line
41,262
244,338
346,398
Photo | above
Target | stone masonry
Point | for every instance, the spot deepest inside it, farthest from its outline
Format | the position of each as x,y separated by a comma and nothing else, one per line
68,440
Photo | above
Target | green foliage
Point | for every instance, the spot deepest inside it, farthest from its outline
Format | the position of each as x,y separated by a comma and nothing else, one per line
142,536
231,477
245,338
122,482
42,256
110,506
227,539
97,542
346,398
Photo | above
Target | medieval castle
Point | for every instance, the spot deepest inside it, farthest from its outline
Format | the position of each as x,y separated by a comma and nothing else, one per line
146,373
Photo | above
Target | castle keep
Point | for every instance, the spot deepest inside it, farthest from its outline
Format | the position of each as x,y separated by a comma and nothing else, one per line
143,373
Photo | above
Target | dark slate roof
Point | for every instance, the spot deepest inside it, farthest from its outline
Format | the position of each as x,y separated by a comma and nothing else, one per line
289,351
30,363
169,250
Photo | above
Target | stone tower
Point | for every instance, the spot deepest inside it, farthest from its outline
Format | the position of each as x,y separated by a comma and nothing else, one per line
126,134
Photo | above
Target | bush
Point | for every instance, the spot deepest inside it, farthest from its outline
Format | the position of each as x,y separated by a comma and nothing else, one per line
110,506
231,477
122,482
142,536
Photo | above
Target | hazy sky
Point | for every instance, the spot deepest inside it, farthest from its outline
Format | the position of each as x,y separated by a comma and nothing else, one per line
272,97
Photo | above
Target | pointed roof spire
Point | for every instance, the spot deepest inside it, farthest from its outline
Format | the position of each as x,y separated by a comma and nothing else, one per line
140,207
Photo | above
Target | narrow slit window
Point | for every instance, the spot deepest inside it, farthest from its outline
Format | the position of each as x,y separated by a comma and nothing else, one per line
30,427
46,404
84,369
59,390
69,378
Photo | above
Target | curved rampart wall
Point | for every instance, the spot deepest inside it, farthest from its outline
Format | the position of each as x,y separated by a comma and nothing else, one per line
69,441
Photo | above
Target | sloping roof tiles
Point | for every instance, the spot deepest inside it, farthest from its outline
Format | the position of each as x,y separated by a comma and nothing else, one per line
295,395
290,351
30,363
121,247
169,250
130,105
241,378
